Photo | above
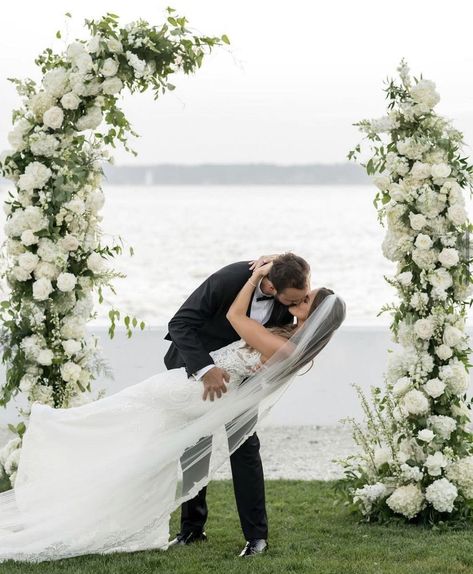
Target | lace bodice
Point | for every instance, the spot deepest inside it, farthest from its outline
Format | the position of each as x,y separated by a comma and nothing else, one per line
237,359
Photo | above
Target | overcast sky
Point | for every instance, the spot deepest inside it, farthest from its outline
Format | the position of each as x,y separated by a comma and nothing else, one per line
296,76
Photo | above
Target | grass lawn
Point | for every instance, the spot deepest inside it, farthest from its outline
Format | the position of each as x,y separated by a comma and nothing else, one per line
308,534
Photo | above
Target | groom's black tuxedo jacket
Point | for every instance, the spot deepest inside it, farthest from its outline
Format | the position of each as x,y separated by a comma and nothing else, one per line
201,326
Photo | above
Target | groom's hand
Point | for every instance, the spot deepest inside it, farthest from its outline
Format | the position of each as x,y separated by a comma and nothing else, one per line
214,383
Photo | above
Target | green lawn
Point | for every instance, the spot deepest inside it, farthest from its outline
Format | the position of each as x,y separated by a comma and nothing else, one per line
308,534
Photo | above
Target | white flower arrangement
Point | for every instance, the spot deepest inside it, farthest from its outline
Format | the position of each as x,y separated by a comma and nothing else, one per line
421,417
54,259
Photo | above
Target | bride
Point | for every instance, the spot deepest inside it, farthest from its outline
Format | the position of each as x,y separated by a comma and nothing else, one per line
105,476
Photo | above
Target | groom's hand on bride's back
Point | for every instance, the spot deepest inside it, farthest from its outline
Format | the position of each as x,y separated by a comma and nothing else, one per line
214,383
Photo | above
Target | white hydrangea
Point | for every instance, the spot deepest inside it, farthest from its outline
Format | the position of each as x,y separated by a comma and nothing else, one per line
16,138
35,177
435,462
455,376
44,144
53,117
369,494
91,120
420,170
461,473
112,86
55,81
413,473
139,66
442,425
401,386
95,201
424,258
424,92
28,261
73,327
415,402
382,455
406,500
39,103
441,494
46,270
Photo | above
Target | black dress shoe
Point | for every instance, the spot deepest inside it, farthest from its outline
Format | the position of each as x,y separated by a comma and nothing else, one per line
188,538
254,546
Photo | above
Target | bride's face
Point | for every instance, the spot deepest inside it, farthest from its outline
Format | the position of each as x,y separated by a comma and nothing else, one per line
301,310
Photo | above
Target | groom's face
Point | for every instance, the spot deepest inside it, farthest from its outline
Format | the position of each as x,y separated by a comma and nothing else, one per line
292,296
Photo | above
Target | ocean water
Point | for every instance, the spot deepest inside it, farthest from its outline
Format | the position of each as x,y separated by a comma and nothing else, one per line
181,234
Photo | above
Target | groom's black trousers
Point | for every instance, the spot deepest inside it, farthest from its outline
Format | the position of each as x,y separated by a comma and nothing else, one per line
248,485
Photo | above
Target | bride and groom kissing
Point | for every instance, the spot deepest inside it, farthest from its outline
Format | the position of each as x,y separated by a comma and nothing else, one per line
105,476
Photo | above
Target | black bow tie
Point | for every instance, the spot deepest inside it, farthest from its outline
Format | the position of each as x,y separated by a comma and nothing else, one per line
264,298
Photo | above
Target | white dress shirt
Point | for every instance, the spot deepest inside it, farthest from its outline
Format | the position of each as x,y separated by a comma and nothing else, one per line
260,311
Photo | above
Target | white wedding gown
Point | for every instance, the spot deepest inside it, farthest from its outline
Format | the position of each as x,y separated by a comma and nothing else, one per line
103,477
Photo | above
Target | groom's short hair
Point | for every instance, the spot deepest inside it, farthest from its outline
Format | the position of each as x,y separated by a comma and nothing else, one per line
289,271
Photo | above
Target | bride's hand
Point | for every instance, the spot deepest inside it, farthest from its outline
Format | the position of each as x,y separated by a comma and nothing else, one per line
263,270
262,261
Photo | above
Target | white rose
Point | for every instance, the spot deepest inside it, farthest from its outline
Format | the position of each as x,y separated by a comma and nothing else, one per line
424,93
401,386
382,182
423,241
442,425
441,170
66,282
452,336
94,44
109,68
435,462
96,263
55,81
425,435
73,327
420,170
45,357
91,120
53,117
434,388
17,135
46,270
444,352
42,289
415,402
35,177
405,278
70,372
71,346
28,261
424,328
417,221
114,46
112,86
27,382
457,214
69,242
441,279
449,257
20,274
70,101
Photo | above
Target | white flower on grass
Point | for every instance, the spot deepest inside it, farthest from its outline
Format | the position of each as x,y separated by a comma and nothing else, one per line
424,328
112,86
91,120
434,387
426,435
441,170
70,101
109,68
70,372
369,494
442,425
424,93
53,117
461,473
406,500
457,214
45,357
42,288
444,352
35,177
71,346
96,263
449,257
28,261
423,241
66,282
415,402
435,462
441,494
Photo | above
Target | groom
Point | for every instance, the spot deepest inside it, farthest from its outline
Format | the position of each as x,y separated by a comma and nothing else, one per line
201,326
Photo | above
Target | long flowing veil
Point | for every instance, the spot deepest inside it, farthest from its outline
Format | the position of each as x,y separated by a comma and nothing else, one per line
107,499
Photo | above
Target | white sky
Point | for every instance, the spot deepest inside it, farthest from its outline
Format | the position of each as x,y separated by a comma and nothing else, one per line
296,76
